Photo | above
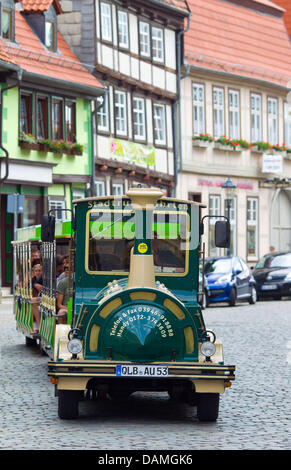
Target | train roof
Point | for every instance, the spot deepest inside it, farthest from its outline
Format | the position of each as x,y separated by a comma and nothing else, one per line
166,199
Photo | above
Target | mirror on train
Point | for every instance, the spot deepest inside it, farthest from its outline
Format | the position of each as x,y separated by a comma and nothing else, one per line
222,234
48,228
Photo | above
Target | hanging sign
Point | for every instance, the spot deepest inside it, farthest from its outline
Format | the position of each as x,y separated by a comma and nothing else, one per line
272,163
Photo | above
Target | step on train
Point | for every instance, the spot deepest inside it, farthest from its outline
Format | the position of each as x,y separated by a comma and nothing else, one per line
132,321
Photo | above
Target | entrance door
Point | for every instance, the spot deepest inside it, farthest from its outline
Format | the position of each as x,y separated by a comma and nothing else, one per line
6,227
281,221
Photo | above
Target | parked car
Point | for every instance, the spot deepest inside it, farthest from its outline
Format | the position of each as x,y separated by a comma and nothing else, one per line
229,279
203,299
273,275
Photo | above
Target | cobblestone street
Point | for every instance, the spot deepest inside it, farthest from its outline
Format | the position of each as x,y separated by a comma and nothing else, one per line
254,414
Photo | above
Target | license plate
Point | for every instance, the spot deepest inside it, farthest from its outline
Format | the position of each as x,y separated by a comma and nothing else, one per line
141,371
269,287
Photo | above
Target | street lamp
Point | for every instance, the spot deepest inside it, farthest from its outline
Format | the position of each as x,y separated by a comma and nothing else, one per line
229,187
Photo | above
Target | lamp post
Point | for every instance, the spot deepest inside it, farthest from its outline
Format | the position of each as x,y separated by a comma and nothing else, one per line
229,187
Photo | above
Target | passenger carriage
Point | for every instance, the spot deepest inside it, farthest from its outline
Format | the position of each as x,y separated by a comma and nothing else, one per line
135,323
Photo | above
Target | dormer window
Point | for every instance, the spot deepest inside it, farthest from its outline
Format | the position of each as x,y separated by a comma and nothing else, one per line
50,35
7,24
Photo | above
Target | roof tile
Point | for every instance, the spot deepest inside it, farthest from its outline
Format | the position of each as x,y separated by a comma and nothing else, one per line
40,5
32,56
231,38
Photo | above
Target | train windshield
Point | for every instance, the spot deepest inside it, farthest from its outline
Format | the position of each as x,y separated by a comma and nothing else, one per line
110,237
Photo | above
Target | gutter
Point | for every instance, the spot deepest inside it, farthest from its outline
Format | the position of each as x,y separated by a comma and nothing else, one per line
177,104
93,120
2,179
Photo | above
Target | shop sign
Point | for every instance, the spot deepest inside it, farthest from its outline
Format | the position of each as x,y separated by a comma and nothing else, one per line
272,163
218,184
132,152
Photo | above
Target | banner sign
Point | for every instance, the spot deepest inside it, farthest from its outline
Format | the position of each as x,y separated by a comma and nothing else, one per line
272,163
132,152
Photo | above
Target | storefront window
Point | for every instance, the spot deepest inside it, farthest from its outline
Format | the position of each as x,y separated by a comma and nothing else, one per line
252,228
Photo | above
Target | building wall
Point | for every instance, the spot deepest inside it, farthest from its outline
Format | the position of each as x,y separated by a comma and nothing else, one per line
204,169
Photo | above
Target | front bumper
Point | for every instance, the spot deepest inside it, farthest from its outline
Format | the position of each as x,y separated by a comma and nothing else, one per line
269,289
70,372
219,293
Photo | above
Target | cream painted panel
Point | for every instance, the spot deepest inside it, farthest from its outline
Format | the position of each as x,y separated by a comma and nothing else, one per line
170,49
107,56
171,82
149,117
124,64
169,126
103,147
145,72
171,163
133,31
159,79
135,68
161,161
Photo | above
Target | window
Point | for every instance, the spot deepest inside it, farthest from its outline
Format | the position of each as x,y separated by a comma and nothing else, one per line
198,109
159,124
287,124
252,228
57,206
42,117
50,35
117,189
70,121
6,24
157,44
26,113
256,117
232,220
214,209
57,118
100,188
218,108
144,39
234,114
273,121
139,122
120,113
106,24
103,114
122,19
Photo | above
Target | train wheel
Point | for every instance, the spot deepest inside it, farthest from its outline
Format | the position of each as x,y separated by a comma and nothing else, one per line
208,406
30,342
68,404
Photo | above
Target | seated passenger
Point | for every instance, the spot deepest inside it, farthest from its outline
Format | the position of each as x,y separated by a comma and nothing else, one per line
63,296
36,293
60,261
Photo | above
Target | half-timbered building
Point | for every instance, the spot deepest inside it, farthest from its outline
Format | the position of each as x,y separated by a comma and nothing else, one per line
133,48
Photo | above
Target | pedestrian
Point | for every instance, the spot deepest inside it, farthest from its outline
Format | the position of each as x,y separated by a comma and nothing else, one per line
63,296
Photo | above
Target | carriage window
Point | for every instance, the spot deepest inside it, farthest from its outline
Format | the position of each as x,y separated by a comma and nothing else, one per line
111,237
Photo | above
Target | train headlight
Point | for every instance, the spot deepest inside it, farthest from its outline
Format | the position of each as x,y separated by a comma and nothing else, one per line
75,346
208,349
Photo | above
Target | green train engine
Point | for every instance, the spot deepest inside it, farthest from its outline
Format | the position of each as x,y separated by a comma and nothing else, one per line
143,331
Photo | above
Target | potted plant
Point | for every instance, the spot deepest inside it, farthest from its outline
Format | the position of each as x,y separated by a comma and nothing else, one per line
261,146
28,141
202,140
77,149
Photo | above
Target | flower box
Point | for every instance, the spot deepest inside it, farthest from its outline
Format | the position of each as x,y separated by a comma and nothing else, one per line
227,148
201,143
28,145
43,147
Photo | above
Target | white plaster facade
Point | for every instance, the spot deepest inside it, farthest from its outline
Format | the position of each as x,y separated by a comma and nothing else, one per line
203,169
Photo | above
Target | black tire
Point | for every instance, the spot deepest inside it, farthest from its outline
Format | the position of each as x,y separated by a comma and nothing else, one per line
232,297
68,404
207,406
30,342
253,296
